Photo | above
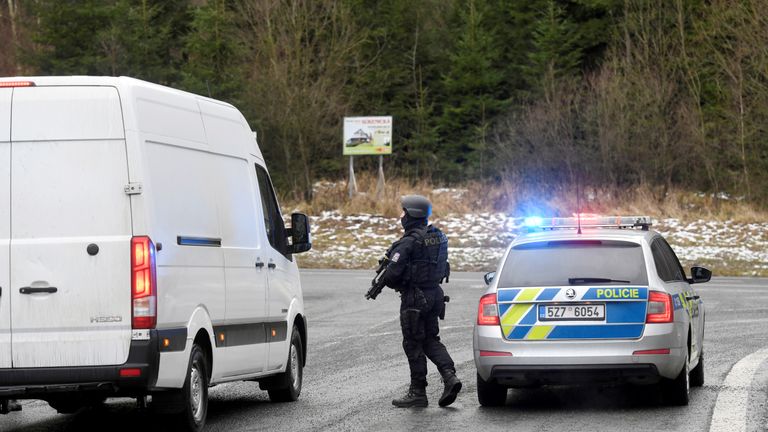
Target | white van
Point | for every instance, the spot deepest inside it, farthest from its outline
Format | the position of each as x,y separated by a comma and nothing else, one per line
142,249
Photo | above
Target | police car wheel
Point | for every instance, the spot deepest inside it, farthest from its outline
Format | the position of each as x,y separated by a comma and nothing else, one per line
697,373
287,385
677,391
490,394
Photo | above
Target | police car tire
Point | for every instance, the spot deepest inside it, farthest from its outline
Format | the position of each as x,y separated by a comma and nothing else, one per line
287,385
677,391
490,394
697,373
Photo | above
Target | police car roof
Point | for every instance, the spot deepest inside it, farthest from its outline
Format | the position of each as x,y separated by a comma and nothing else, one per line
631,235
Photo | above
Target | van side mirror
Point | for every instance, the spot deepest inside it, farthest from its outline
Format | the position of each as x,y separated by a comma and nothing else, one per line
299,233
489,277
700,275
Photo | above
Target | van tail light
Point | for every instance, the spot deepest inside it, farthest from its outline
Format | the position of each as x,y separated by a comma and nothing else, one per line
659,308
488,311
143,283
9,84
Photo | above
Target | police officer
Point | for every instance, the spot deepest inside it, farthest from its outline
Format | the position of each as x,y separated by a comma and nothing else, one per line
418,263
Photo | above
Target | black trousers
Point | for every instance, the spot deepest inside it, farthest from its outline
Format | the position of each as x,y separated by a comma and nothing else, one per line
421,340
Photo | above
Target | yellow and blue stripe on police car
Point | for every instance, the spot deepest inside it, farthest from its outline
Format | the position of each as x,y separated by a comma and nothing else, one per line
520,313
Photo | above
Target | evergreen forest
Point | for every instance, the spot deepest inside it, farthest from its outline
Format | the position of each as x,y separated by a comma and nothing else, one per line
661,94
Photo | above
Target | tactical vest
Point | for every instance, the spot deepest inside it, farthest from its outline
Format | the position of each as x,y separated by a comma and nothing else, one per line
429,258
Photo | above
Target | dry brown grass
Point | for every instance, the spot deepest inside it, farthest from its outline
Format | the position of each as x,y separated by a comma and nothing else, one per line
333,196
476,197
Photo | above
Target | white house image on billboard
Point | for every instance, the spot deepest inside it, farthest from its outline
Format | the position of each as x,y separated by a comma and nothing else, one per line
359,137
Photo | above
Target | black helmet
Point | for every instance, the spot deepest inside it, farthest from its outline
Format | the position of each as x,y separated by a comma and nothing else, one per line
416,206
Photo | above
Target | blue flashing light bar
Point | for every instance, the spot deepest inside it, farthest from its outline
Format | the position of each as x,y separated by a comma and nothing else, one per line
533,222
588,221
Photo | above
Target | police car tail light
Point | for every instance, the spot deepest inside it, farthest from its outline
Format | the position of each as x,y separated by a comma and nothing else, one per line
143,283
659,308
661,351
488,311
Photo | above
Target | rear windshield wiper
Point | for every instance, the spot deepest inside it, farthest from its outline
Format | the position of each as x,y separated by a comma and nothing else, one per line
591,280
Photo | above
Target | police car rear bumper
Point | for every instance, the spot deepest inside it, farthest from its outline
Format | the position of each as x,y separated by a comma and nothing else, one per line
587,360
521,376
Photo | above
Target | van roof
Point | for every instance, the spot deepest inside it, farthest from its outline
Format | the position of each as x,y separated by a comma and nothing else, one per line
85,80
127,84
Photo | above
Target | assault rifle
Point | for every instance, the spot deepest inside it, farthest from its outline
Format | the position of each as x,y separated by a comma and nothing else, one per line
377,284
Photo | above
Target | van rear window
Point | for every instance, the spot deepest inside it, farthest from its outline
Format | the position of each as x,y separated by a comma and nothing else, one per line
560,263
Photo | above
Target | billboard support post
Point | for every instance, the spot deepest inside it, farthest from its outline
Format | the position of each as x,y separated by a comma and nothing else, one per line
381,183
352,181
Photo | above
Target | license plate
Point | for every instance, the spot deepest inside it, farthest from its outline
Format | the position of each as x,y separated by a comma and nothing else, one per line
572,312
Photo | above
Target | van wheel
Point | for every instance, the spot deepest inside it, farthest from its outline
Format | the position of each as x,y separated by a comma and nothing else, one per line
195,392
490,394
286,387
697,373
677,391
188,405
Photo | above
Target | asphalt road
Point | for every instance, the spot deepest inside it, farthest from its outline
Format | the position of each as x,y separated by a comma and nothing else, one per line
356,366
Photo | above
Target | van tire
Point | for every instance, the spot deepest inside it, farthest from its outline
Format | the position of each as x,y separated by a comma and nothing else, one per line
188,406
286,387
490,394
677,392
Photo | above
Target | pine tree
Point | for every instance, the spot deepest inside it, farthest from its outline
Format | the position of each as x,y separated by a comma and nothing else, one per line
555,52
72,37
401,62
215,53
472,85
91,37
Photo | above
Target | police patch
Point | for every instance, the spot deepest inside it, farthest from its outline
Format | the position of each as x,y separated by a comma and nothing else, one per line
395,257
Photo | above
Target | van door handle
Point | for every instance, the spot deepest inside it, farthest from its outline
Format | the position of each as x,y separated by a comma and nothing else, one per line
30,290
692,298
259,264
272,266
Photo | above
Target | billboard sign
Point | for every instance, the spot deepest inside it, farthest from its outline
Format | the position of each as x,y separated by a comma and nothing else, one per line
367,135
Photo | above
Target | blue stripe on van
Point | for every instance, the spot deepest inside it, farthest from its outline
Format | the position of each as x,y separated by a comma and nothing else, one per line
198,241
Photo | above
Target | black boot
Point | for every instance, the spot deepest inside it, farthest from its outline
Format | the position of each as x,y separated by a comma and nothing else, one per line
416,397
452,388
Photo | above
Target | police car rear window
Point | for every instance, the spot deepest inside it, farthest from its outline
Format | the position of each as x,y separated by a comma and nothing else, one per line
553,263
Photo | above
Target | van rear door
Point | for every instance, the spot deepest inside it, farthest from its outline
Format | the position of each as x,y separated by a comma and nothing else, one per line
5,226
70,228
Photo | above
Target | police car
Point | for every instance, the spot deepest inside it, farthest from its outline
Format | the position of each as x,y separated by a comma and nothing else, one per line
590,300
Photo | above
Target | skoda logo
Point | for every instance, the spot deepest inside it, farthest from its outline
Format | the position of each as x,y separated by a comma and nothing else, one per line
571,293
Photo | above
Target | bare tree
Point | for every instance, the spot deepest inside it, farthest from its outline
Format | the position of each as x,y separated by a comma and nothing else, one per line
302,53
